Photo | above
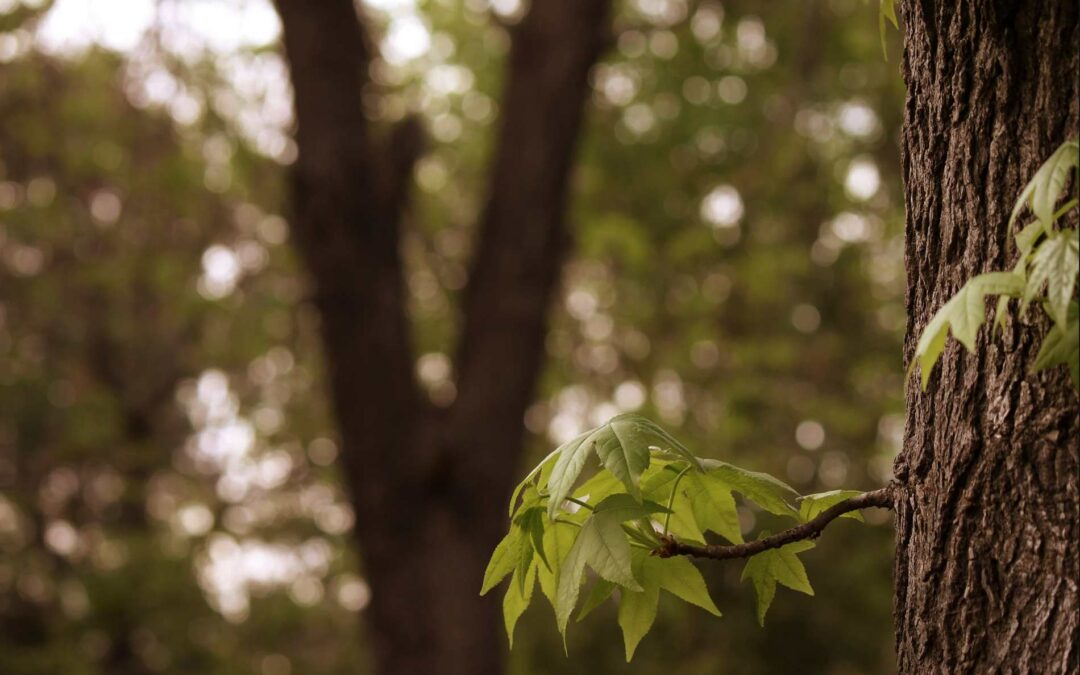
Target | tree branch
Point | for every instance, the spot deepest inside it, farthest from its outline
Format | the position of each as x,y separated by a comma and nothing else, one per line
811,529
524,237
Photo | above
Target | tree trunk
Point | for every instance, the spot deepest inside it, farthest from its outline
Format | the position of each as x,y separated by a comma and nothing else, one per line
426,483
987,561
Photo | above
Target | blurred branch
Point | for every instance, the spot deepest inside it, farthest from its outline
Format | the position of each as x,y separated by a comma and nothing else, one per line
524,236
812,529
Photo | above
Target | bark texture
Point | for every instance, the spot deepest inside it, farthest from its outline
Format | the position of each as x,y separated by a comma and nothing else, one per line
987,529
425,480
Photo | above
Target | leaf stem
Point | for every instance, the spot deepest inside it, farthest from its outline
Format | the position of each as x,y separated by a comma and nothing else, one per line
1065,209
671,499
575,500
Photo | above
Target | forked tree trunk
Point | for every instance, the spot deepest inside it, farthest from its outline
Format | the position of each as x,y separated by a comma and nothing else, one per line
428,484
987,531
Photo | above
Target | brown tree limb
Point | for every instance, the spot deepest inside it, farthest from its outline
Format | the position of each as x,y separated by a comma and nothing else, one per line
811,529
524,237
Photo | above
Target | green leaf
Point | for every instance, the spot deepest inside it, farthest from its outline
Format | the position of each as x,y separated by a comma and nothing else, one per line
778,565
558,540
599,486
713,506
504,559
624,446
602,545
811,506
1055,264
1028,237
1061,346
1050,181
1045,187
517,599
964,313
637,611
888,11
546,463
600,591
681,520
678,576
625,453
622,507
771,494
568,466
531,521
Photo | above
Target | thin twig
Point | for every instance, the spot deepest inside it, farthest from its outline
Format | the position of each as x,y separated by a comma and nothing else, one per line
811,529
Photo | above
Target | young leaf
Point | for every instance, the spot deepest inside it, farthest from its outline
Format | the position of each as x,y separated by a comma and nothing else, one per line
602,545
600,591
811,506
558,540
1062,346
888,11
678,576
622,507
625,453
517,599
504,559
1050,181
1045,187
599,486
771,494
778,565
964,313
712,505
637,611
531,521
568,466
1028,237
1055,265
681,520
546,463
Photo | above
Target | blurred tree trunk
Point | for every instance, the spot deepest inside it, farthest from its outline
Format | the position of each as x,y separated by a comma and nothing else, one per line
426,483
987,563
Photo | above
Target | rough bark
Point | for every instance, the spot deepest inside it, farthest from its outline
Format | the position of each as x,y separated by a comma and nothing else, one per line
987,562
424,480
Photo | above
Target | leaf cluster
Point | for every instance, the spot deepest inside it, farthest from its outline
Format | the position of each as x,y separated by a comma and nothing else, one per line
649,486
1045,274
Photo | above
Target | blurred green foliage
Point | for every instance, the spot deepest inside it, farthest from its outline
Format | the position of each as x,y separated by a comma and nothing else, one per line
168,501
